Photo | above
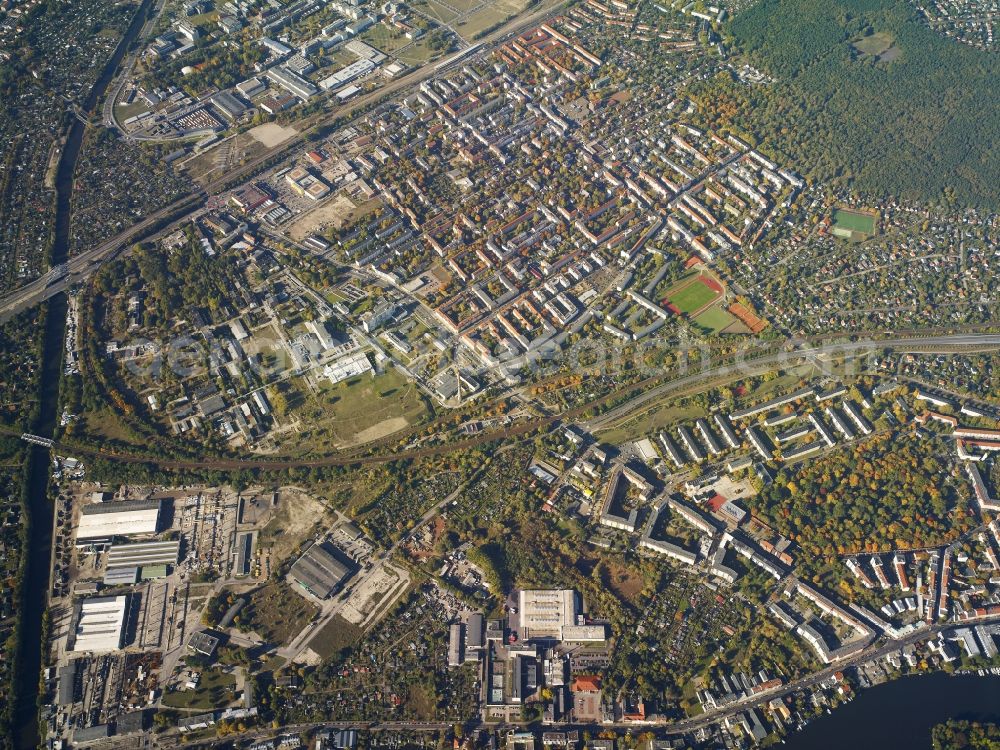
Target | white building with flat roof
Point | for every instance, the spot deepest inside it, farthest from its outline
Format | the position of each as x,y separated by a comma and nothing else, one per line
100,625
545,612
348,366
127,518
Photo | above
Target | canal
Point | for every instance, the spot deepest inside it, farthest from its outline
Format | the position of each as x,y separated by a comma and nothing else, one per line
901,713
39,511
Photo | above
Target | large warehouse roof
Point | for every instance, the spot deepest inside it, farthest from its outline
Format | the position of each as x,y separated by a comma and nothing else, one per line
143,553
544,612
100,625
318,571
103,520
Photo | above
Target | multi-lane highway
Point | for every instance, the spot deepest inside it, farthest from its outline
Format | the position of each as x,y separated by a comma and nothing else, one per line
80,266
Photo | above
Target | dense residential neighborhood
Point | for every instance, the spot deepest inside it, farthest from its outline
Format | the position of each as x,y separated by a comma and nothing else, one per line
524,374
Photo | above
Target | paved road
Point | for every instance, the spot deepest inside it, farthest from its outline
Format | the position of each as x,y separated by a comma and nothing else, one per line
125,70
80,266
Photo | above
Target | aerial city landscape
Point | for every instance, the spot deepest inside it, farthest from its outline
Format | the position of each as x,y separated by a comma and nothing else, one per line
507,374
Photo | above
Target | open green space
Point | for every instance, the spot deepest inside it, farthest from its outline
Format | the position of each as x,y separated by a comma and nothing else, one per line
276,613
335,636
125,111
355,411
385,39
216,689
873,45
714,319
481,20
419,52
463,6
692,297
438,11
922,126
854,221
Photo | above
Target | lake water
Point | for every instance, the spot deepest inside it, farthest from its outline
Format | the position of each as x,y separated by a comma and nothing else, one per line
901,713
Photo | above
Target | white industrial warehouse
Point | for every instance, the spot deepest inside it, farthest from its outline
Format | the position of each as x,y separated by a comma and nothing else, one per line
100,624
544,613
103,521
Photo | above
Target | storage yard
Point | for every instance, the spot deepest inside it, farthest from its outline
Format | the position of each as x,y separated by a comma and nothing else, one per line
137,571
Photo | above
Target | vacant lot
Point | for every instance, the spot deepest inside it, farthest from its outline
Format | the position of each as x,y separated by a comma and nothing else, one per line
385,39
335,636
216,689
276,613
418,52
272,134
297,513
357,410
438,11
227,154
488,16
334,212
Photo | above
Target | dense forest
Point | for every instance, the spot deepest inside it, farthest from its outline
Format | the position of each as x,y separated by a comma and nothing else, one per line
867,96
176,284
955,735
889,492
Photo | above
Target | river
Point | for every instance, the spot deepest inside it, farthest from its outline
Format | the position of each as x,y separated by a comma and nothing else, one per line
900,714
39,510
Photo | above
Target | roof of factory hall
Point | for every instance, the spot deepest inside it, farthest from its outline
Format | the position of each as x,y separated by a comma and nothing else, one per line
319,571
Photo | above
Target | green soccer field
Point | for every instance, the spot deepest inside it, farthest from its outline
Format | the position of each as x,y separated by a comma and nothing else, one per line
854,221
692,297
714,319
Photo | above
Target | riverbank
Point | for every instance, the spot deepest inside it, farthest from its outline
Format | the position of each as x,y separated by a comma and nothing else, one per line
902,713
38,510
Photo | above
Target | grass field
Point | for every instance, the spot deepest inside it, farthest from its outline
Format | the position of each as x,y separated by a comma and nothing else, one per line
692,297
419,52
385,39
355,411
438,11
125,111
476,22
874,44
216,689
854,221
335,636
276,613
714,319
488,16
